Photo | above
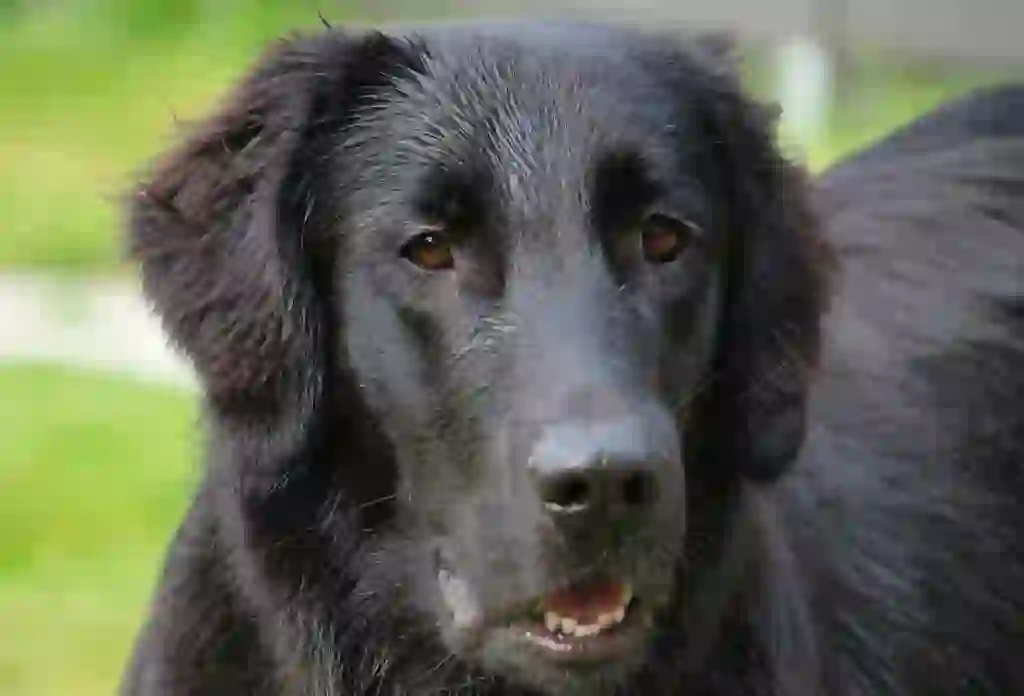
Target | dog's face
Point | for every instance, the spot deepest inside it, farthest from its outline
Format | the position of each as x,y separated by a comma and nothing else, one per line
531,288
524,257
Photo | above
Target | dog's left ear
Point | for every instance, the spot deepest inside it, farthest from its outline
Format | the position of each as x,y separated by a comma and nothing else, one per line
776,273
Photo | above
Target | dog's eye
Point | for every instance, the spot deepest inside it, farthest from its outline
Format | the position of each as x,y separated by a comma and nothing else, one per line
429,250
664,238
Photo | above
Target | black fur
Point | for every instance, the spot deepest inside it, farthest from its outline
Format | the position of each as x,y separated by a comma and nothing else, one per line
839,503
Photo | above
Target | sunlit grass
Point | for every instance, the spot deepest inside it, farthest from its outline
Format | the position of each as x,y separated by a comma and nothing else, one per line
85,103
94,476
69,147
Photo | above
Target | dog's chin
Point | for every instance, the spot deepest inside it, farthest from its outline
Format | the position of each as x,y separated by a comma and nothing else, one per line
530,655
584,639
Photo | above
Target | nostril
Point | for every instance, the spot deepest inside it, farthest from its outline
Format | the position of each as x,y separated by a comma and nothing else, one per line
566,493
576,491
638,489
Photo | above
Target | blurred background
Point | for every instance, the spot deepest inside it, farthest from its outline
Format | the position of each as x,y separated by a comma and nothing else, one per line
98,448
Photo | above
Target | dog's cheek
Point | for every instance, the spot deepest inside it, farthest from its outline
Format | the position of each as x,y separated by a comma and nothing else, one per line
382,359
394,353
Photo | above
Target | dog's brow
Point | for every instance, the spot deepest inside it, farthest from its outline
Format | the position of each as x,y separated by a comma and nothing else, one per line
454,197
621,186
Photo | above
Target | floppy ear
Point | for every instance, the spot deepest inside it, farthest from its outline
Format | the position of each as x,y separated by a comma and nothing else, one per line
775,281
237,249
223,230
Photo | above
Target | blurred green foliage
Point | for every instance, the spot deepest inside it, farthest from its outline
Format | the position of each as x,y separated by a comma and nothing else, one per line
94,475
90,90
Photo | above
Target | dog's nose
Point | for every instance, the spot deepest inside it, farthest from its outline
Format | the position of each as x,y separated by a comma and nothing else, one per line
595,475
611,487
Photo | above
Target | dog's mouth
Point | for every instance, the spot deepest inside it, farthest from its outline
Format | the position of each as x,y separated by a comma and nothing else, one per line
587,623
592,622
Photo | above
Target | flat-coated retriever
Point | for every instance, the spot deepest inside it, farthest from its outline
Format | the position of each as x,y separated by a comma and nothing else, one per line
529,368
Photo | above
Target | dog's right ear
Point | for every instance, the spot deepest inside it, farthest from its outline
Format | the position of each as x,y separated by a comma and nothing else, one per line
224,227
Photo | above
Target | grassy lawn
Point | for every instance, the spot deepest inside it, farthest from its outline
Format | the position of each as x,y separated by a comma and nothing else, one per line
91,89
95,474
88,95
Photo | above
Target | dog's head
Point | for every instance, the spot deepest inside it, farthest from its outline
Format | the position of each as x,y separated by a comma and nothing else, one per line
550,294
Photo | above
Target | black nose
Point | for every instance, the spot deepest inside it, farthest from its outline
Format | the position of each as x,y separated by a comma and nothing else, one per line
605,485
599,475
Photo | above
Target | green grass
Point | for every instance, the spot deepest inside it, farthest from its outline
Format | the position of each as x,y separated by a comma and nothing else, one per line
85,102
94,476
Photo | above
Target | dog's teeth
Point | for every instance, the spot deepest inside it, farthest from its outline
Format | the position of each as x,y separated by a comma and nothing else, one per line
572,627
552,621
568,626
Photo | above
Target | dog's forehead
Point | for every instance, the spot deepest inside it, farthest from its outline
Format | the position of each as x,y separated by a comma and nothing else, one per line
580,41
527,99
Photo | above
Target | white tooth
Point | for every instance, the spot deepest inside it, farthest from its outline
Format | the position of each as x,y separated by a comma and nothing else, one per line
619,615
568,625
587,630
606,620
552,621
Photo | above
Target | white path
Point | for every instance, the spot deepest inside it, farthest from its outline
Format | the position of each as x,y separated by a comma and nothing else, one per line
97,324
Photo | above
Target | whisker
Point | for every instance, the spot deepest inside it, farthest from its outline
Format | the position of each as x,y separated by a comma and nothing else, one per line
377,501
441,664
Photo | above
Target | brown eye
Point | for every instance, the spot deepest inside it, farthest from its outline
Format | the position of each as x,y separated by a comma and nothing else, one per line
430,251
664,238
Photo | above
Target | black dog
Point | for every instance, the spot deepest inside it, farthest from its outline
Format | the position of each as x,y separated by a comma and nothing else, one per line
508,336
